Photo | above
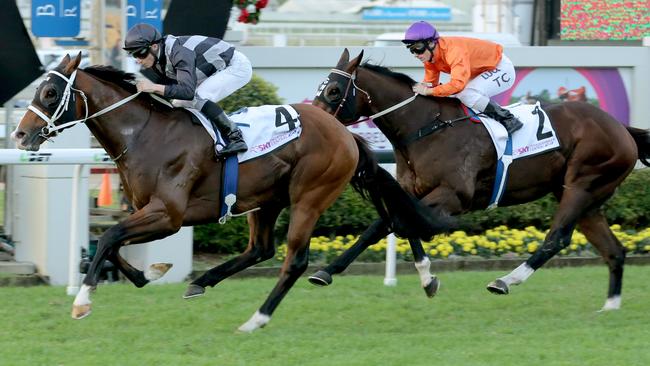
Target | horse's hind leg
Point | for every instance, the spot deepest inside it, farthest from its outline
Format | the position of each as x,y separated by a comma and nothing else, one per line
574,202
303,220
136,276
595,228
260,248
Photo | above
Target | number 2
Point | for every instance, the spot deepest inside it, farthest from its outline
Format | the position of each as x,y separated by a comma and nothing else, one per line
540,127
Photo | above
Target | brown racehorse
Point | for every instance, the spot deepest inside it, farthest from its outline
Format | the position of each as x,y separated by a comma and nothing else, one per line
450,165
165,163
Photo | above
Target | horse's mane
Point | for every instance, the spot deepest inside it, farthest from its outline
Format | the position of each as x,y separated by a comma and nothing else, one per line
123,79
388,72
113,75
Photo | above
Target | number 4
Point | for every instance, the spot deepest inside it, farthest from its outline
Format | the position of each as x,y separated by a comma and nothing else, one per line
288,120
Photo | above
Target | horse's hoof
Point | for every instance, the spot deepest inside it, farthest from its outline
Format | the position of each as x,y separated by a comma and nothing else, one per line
612,303
194,291
498,287
80,311
432,288
257,321
157,270
321,278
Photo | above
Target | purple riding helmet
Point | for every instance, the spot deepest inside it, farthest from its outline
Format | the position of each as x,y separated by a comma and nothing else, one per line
420,31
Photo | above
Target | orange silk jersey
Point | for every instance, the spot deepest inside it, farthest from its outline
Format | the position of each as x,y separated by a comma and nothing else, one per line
463,58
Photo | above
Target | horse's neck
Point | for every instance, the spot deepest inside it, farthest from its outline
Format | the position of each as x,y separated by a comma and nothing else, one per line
114,129
416,115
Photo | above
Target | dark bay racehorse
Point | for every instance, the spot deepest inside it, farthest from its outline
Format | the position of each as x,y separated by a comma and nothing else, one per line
165,163
451,166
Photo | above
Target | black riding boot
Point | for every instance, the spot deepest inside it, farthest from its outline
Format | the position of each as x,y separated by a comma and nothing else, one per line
503,116
229,131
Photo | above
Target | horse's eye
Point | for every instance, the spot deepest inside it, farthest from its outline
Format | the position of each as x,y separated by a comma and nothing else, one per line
50,94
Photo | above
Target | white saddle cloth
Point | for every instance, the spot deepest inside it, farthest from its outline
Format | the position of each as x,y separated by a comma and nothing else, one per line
264,128
535,137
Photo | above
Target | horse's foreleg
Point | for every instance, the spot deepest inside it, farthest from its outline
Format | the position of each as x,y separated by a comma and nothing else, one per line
429,282
372,235
260,248
595,228
150,223
136,276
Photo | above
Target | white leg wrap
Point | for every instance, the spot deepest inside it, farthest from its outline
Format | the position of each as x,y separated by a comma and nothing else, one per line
83,296
518,275
258,320
612,303
423,269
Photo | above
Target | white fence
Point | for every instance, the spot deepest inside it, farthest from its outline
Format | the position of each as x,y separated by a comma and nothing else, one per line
44,250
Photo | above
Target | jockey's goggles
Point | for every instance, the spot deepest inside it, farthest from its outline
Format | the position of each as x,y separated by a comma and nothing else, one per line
140,53
418,48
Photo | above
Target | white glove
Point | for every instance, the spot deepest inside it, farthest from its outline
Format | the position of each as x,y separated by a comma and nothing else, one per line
422,89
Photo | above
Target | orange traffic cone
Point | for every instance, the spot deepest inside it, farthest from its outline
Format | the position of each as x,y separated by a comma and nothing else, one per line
105,197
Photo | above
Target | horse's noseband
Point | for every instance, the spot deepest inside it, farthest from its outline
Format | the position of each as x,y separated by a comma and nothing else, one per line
68,92
350,84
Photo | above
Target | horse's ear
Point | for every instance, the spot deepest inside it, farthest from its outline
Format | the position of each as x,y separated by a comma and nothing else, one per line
345,58
355,62
72,65
64,61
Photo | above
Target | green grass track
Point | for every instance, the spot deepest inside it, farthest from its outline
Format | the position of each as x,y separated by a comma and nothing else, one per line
550,320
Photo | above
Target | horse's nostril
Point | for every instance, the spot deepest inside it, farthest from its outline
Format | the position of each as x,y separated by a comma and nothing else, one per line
19,135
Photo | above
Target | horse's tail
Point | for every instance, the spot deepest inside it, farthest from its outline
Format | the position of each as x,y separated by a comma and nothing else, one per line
642,139
404,213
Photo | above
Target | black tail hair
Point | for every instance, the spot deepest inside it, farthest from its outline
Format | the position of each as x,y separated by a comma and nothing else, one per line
642,139
401,211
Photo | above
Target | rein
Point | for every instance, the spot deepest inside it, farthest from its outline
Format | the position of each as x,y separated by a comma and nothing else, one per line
351,78
438,124
50,128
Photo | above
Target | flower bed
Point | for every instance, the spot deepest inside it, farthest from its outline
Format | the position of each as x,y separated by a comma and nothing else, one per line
498,242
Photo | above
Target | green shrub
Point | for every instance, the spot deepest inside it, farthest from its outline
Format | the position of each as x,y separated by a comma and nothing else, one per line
350,214
256,93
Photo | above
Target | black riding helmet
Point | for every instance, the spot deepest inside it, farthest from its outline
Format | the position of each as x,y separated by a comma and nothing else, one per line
140,38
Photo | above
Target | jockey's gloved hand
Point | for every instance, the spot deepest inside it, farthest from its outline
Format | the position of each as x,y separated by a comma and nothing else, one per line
422,89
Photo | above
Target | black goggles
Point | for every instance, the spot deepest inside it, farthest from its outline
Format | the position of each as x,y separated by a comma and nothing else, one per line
140,53
417,48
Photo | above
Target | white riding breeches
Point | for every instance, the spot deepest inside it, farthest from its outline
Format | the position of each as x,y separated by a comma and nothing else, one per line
478,91
221,84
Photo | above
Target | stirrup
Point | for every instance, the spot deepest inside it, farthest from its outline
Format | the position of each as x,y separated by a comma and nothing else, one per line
232,148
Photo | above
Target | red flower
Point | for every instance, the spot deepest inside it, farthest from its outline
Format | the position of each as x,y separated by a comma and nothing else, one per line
261,4
243,17
247,17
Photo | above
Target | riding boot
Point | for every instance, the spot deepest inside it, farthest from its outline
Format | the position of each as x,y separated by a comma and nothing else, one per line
503,116
229,131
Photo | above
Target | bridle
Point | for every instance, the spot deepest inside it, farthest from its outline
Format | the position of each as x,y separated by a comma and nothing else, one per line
351,83
68,92
427,130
